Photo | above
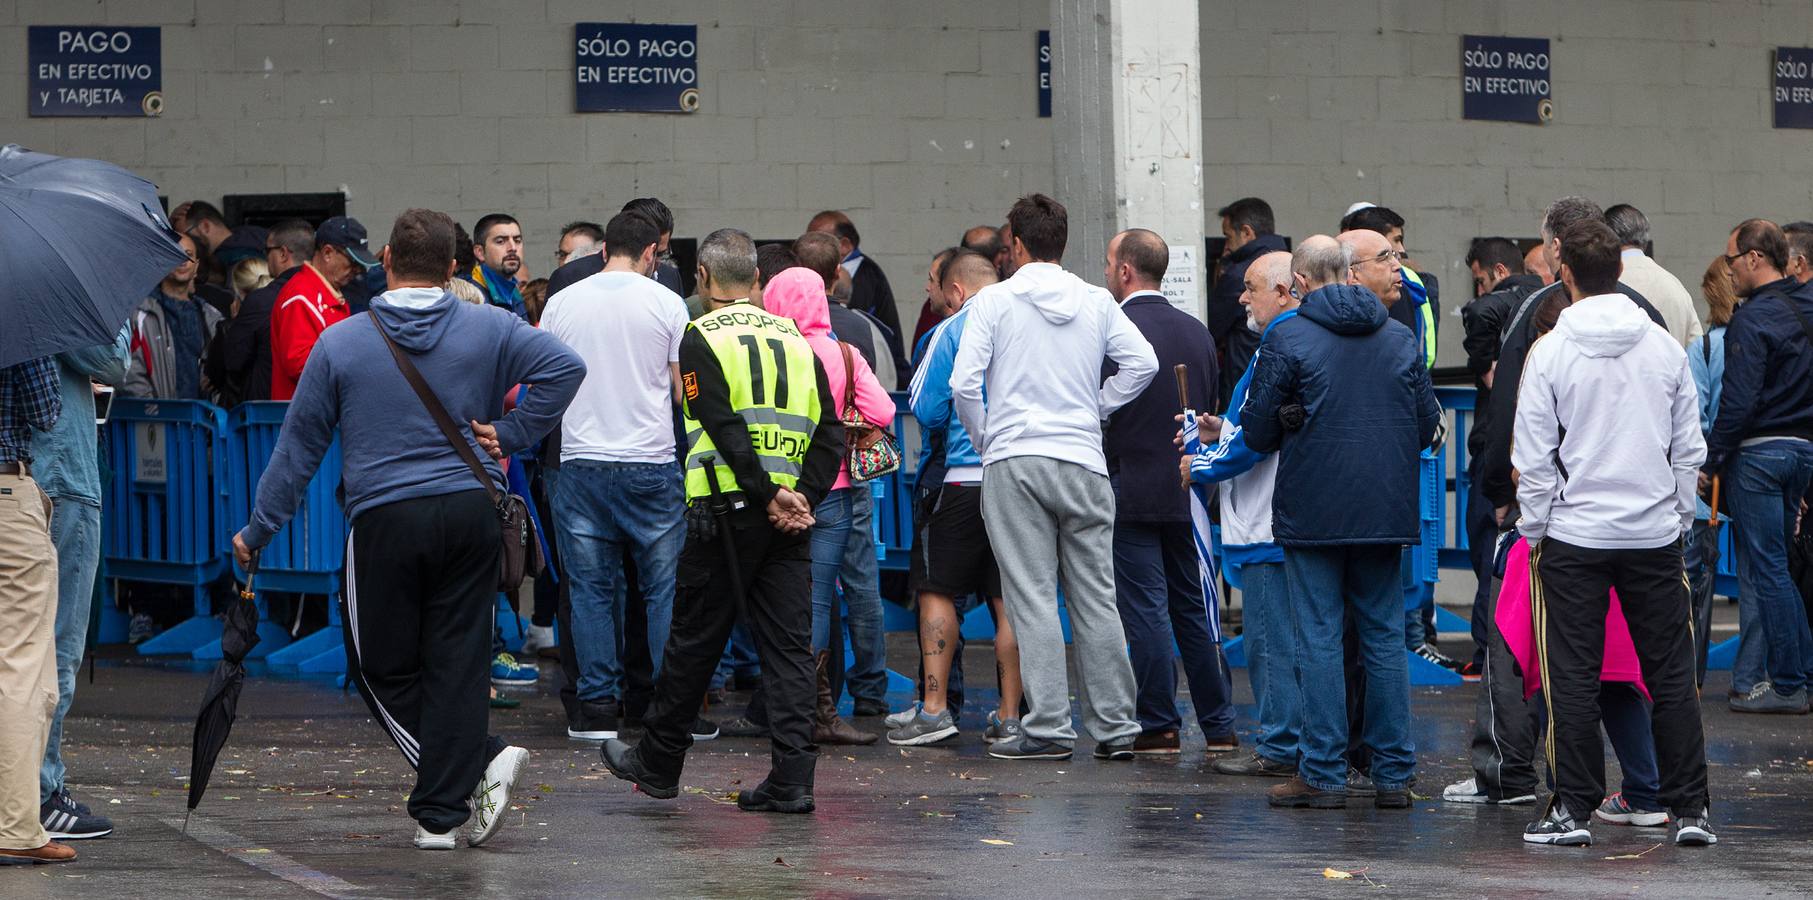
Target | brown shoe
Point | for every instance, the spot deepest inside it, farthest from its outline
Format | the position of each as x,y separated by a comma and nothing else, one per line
1154,743
1223,743
51,852
828,727
1298,793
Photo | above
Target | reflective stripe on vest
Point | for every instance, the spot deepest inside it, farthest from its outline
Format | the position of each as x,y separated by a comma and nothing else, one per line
1425,313
773,384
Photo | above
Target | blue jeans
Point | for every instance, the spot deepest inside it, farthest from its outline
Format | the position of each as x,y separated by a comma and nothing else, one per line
830,537
1765,483
868,679
601,509
1326,584
1158,590
1271,626
1625,716
75,529
1419,602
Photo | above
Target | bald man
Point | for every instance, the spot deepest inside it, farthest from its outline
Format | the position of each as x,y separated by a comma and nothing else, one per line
1157,585
869,289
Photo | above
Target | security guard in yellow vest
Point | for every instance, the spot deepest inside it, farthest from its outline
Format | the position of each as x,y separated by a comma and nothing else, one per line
762,448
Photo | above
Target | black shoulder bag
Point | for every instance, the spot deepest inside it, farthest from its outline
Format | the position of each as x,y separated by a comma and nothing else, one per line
521,557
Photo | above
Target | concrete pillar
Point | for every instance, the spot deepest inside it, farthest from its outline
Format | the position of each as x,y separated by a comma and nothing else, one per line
1127,131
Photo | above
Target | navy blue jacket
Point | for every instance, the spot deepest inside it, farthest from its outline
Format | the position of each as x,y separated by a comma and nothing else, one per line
1767,390
1142,461
1227,318
1349,474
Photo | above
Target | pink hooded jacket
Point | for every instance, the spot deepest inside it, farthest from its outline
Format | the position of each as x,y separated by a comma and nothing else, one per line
799,294
1516,623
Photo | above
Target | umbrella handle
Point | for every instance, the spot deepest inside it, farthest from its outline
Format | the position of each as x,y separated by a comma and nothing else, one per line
1715,502
1183,384
246,593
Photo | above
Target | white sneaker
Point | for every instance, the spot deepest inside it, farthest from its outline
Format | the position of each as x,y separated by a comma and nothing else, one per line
428,840
903,718
1468,792
537,638
491,799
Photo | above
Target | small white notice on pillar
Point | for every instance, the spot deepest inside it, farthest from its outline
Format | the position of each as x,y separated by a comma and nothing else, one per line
1179,284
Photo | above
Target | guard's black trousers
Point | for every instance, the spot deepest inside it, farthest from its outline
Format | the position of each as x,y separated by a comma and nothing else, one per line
1571,599
421,581
776,574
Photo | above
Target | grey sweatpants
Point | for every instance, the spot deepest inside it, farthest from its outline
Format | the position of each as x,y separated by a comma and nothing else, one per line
1047,518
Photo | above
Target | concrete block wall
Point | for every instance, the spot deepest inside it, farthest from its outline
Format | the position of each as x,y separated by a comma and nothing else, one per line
920,119
1315,104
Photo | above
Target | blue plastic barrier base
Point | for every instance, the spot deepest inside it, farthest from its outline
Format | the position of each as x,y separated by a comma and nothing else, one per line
1451,623
306,648
328,662
1235,651
271,638
184,639
1720,657
1426,673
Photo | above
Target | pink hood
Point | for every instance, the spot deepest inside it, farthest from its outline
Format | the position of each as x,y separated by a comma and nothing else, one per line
799,294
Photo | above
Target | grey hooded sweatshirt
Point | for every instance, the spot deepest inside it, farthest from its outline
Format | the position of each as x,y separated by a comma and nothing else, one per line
390,447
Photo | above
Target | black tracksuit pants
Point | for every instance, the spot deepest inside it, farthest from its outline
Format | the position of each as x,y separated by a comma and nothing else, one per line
1570,603
776,575
420,582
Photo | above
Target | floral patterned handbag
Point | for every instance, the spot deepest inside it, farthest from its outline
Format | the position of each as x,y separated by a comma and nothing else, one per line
871,452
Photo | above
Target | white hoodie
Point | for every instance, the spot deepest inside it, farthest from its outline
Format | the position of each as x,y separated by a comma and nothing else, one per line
1607,442
1038,340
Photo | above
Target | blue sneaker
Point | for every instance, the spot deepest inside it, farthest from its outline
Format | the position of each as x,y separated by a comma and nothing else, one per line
506,670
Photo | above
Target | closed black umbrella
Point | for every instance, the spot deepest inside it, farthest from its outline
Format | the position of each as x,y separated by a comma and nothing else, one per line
81,244
220,702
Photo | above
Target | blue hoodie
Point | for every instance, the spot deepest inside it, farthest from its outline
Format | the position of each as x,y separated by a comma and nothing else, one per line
1349,462
931,393
390,447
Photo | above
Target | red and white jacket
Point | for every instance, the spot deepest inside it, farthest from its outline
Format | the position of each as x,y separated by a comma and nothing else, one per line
307,304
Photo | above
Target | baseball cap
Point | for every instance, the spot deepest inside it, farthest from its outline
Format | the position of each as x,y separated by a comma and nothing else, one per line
347,234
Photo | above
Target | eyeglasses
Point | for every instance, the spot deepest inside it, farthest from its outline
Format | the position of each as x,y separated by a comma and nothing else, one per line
1384,256
270,249
1734,257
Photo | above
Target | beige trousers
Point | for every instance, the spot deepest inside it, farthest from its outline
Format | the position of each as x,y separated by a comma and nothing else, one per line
28,655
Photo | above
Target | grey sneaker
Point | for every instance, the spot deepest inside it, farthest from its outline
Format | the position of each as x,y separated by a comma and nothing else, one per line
1695,831
1765,699
900,719
1000,729
1028,747
924,729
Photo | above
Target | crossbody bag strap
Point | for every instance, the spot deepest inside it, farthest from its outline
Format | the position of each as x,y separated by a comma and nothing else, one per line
439,413
849,376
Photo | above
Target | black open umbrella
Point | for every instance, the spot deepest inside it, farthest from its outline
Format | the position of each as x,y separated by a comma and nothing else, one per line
81,242
220,702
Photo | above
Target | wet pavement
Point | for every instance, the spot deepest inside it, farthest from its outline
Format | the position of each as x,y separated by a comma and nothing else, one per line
308,801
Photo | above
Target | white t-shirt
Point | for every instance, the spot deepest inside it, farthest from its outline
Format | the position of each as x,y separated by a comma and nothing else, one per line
627,328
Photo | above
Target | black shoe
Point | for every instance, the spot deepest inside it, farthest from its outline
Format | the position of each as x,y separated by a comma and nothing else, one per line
596,721
1694,831
741,726
1391,798
623,762
1028,747
768,798
1255,765
1297,793
1117,749
1557,827
867,708
1359,784
704,729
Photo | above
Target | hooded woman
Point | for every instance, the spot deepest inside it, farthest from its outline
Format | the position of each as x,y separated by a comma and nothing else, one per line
799,294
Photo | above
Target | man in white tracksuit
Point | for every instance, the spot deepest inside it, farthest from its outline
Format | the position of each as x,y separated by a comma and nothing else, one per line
1037,341
1607,442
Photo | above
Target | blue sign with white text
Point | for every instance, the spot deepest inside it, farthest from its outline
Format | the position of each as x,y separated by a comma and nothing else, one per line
95,70
1793,87
1505,79
636,68
1044,60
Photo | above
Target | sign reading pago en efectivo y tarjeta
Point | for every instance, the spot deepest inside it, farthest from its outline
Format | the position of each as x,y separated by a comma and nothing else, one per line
95,70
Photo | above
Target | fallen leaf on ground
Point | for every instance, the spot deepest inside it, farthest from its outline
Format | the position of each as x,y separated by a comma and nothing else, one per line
1336,874
355,836
997,842
1632,855
781,862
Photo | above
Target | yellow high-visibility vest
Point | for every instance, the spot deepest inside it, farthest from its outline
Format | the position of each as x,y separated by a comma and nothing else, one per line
773,383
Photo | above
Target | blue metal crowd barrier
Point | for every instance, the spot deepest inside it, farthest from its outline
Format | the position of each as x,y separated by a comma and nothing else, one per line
165,517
